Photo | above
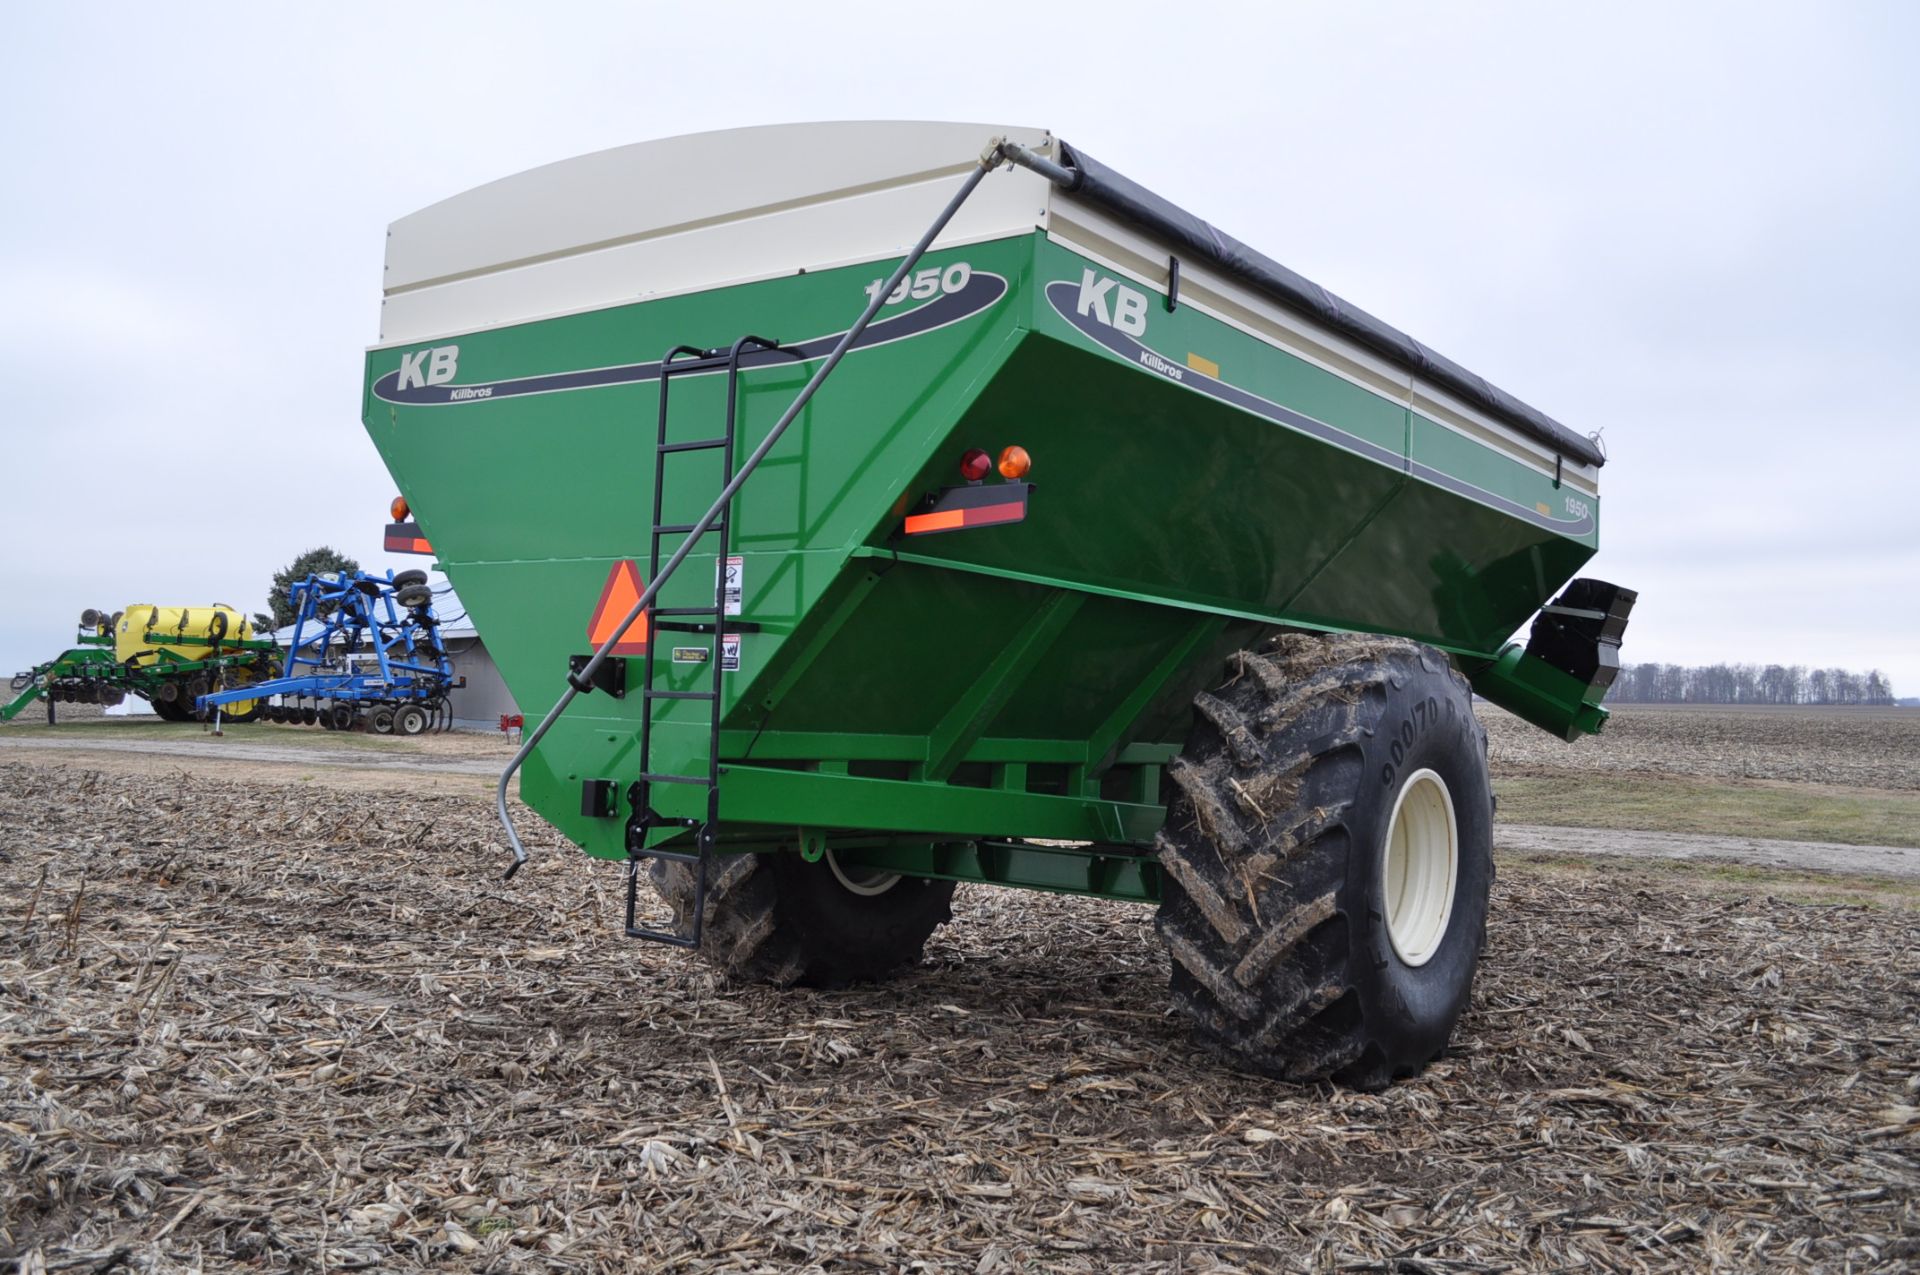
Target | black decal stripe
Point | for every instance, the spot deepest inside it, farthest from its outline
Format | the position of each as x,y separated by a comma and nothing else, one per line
983,289
1062,295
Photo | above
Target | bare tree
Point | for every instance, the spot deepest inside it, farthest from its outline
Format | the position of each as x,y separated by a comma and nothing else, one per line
1747,684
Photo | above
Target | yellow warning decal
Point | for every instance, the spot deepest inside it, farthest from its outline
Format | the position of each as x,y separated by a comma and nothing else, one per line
1543,511
1204,366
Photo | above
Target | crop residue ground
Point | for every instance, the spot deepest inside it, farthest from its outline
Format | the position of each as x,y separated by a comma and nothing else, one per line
258,1024
1854,747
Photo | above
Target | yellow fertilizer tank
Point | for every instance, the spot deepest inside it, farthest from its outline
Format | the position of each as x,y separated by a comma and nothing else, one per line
176,654
143,630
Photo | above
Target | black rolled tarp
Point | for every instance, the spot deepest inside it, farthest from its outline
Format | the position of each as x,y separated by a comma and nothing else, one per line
1128,200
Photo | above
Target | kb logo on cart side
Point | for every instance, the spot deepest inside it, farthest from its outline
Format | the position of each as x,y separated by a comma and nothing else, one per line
433,366
1129,308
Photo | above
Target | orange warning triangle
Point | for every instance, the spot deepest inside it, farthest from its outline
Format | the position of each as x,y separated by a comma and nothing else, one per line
621,591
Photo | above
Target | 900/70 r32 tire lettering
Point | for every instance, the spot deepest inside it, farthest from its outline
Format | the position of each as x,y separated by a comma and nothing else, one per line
1328,852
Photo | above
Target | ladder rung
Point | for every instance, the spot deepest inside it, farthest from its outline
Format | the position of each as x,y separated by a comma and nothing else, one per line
701,780
697,445
681,528
653,694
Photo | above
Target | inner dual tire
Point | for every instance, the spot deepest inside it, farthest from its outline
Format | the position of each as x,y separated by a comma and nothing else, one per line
1327,857
775,918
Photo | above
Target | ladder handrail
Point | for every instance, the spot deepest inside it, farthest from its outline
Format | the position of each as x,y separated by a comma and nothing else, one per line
997,152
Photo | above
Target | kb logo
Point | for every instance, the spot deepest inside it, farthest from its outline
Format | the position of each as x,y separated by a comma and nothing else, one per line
434,366
1129,308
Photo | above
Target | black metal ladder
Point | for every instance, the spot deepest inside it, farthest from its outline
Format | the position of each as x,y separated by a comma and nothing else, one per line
710,620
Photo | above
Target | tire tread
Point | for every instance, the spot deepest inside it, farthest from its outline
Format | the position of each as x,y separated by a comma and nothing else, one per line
1255,852
759,932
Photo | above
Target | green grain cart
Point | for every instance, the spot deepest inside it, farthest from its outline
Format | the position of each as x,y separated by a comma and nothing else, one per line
888,512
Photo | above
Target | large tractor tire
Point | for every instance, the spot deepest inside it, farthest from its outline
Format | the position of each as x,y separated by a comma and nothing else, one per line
170,710
775,918
1327,856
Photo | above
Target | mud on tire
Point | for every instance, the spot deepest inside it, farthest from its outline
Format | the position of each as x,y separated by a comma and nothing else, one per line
775,918
1275,895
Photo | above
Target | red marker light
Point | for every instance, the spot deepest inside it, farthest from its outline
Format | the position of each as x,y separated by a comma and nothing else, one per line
399,508
1014,462
975,465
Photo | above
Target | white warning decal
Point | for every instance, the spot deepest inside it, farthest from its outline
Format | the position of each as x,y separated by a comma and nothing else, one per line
730,653
729,576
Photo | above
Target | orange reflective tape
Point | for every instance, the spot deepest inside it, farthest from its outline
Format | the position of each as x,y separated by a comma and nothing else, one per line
945,520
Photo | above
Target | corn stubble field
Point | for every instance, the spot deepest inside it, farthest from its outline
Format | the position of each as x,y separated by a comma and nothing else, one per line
258,1024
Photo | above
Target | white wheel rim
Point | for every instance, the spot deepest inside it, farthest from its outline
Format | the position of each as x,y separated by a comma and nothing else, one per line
1420,864
866,882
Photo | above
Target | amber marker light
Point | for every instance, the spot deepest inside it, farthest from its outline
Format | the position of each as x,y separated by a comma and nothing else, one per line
1014,462
975,465
400,509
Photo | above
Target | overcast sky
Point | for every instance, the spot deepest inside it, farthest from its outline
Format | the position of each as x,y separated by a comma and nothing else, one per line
1691,226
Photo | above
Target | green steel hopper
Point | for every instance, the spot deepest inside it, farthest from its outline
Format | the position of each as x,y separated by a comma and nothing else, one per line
894,505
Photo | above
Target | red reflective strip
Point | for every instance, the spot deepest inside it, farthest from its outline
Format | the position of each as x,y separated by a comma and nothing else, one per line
407,544
987,515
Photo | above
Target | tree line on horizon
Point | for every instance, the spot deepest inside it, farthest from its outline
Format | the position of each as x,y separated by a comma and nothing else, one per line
1748,684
